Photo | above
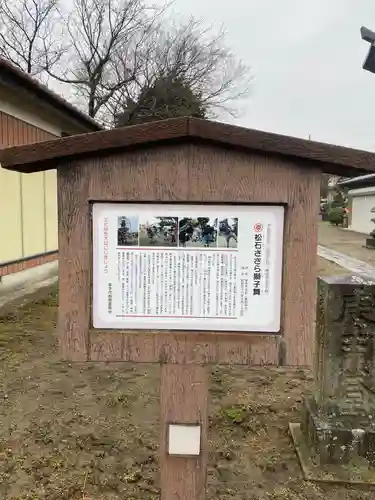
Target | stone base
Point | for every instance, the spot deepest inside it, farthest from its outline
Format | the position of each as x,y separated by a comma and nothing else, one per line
370,243
355,473
340,440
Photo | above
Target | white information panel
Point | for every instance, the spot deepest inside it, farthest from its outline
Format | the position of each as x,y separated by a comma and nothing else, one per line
187,267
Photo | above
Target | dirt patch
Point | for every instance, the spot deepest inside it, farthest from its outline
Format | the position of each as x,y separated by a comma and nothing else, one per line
251,452
92,431
326,268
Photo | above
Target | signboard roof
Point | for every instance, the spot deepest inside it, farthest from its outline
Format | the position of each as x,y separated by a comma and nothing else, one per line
329,158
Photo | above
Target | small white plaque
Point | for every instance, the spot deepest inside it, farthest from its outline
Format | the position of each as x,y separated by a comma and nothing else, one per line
184,439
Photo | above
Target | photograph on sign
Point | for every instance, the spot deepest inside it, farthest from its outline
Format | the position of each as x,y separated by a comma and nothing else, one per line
228,233
127,231
158,231
197,232
193,267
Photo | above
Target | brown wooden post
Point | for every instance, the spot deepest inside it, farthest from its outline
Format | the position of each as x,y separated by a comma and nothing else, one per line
196,163
184,395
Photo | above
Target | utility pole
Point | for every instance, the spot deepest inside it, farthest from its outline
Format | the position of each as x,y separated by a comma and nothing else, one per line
369,36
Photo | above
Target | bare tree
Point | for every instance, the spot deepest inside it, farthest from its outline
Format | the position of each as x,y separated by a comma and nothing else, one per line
194,55
29,33
116,53
104,50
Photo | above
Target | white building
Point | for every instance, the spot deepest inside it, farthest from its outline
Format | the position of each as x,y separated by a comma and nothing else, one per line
361,199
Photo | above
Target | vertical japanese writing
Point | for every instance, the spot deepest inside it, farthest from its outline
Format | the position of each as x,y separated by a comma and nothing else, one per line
257,270
355,348
105,244
180,284
110,293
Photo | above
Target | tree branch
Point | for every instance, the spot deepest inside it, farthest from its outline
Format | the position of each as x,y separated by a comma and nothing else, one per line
28,32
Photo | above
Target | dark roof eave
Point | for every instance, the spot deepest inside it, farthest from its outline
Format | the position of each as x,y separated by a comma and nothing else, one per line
336,160
358,182
354,180
11,75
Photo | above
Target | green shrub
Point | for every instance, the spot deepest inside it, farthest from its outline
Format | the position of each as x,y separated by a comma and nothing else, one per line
336,215
338,200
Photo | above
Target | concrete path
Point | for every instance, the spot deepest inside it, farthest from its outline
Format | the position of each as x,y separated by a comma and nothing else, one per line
346,249
350,263
345,242
27,282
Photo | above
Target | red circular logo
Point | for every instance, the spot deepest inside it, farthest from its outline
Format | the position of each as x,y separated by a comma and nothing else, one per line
258,227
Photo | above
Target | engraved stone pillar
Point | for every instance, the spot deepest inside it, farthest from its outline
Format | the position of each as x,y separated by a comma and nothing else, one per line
340,417
370,242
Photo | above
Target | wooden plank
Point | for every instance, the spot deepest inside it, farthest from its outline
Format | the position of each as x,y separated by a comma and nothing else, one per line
158,175
329,158
190,348
300,261
183,400
74,264
15,132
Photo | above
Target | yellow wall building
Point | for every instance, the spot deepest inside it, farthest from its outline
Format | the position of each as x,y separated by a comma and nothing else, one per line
30,113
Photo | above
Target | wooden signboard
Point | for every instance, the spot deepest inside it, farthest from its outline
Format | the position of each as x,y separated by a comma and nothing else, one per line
186,243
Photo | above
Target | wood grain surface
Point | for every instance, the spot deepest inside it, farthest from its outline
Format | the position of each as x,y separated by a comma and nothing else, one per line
197,174
183,400
328,158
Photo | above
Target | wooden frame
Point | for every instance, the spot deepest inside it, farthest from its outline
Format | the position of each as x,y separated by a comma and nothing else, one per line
252,179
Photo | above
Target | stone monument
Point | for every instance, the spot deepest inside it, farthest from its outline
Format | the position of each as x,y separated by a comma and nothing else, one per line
338,426
370,242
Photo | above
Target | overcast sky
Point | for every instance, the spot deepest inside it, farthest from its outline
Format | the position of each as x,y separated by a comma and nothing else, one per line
306,57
